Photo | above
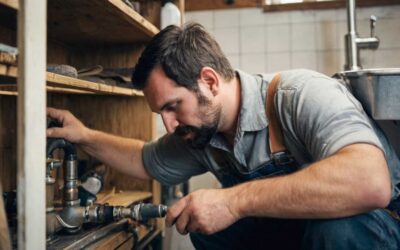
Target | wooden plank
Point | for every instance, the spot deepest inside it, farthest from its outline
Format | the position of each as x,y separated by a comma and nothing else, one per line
6,92
57,82
121,240
97,21
112,241
68,91
195,5
133,17
10,3
8,143
31,125
124,198
11,89
65,81
120,115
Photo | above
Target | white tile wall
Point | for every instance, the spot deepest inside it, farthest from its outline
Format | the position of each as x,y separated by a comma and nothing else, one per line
234,59
303,37
252,39
278,37
228,39
341,27
253,63
226,18
251,16
327,35
302,16
305,60
328,61
276,17
389,32
205,18
325,15
277,61
314,39
387,58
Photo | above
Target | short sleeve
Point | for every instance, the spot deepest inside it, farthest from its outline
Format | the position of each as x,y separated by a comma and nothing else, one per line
170,160
323,115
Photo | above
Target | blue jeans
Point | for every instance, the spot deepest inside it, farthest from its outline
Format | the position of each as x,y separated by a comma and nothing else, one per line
374,230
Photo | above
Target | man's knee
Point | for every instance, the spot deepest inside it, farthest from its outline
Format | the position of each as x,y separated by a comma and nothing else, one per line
365,231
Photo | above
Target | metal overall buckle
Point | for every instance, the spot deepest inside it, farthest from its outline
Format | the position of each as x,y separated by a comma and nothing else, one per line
282,158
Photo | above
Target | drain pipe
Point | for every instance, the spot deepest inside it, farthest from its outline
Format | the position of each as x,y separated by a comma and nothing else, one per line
72,215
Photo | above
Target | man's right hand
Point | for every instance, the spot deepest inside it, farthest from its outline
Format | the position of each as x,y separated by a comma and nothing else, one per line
72,129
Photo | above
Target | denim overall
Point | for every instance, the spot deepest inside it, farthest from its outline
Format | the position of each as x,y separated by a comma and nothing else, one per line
374,230
256,233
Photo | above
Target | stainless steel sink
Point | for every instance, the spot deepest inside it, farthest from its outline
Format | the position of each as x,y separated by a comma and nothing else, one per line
378,90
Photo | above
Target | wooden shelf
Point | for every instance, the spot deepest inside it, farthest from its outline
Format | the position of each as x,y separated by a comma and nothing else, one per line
97,21
63,84
94,22
10,3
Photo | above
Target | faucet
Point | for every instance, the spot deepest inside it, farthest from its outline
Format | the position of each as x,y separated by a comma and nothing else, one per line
353,42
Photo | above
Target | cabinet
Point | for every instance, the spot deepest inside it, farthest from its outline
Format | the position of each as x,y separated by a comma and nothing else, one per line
84,34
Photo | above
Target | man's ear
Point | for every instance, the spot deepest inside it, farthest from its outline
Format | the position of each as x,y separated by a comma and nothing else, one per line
211,79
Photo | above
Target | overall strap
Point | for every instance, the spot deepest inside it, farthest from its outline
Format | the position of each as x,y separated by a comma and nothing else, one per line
277,146
279,153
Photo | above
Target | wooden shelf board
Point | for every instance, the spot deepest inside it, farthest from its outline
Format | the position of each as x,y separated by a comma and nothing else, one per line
57,80
94,22
118,239
63,84
10,3
125,198
97,21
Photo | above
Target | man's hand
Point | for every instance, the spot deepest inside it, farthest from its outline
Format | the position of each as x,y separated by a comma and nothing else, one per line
72,129
204,211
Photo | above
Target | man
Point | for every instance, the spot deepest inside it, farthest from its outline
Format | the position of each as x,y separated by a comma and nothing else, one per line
331,196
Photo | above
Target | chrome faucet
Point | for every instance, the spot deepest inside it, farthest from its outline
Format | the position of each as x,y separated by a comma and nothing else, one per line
353,42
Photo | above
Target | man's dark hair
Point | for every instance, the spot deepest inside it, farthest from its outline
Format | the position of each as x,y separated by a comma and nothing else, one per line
182,53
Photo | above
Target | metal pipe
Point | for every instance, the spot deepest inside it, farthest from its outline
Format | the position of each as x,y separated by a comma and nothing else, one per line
352,55
72,215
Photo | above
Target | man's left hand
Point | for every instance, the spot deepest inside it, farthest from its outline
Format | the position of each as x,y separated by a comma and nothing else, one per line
204,211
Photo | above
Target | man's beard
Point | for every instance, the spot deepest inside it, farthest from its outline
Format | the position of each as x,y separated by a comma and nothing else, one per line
201,135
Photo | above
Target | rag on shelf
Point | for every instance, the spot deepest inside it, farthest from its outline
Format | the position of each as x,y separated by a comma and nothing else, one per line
111,76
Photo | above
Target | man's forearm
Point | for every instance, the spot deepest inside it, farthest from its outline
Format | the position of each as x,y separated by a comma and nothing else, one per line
123,154
352,181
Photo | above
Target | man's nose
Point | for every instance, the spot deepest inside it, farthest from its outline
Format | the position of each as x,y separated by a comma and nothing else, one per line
170,122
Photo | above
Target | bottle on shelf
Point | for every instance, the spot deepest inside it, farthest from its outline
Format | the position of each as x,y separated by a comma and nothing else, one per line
170,14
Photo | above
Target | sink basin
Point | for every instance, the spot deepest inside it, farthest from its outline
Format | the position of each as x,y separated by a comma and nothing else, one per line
378,90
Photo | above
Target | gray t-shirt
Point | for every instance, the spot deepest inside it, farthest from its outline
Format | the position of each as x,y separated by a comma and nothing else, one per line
318,116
